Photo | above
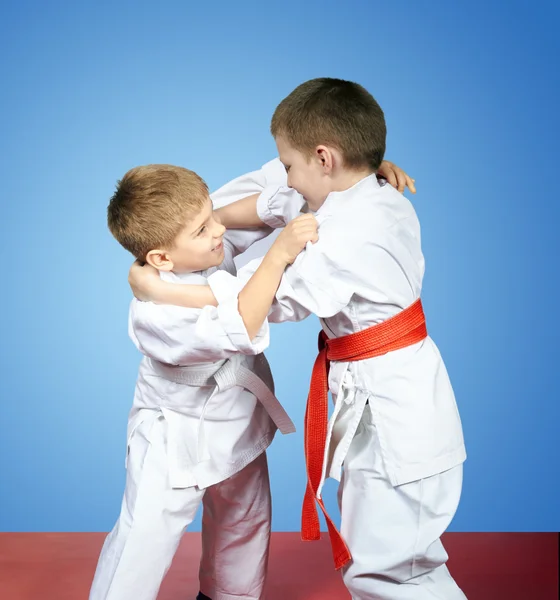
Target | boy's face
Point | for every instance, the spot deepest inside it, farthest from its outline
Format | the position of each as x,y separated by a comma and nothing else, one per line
197,247
306,174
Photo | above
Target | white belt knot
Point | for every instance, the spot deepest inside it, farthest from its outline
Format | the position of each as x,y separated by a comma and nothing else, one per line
223,375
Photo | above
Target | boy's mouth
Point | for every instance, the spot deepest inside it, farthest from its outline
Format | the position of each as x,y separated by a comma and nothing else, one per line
218,247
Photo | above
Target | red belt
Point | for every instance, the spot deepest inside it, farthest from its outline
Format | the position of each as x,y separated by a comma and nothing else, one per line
404,329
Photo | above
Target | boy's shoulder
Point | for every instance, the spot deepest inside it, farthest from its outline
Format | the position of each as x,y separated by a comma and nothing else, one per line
392,207
370,212
379,220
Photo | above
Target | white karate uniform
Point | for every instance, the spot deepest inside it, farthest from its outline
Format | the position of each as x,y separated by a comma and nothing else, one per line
203,415
394,438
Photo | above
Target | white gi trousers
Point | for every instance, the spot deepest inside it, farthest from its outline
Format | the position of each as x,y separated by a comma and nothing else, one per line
235,527
393,533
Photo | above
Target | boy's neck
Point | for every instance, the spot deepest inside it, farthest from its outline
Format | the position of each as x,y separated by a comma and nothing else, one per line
344,179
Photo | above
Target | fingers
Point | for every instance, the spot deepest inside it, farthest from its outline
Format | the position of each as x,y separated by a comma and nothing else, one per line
403,180
396,177
304,225
410,183
302,230
138,265
304,219
304,234
387,170
308,235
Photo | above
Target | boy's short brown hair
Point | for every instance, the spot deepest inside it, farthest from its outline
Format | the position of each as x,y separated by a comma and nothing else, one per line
335,113
152,204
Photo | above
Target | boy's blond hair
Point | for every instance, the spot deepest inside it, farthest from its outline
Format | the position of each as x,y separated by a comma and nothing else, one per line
152,204
335,113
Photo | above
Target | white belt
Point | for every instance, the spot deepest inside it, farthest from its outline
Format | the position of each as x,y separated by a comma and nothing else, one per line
222,376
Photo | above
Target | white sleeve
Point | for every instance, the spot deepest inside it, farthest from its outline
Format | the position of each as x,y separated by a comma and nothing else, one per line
278,205
314,284
181,336
272,173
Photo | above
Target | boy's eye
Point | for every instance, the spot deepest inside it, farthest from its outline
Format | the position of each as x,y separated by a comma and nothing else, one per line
201,230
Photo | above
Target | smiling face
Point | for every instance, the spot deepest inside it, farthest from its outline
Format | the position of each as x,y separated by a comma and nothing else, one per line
163,215
197,247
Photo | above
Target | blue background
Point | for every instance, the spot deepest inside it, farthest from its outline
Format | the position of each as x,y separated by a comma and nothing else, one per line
470,92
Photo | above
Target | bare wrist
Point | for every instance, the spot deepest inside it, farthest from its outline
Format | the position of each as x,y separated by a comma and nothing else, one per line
277,258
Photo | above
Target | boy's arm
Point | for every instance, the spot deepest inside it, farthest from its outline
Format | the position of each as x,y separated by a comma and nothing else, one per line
179,336
244,229
262,282
324,278
256,297
147,286
256,210
299,296
396,177
240,214
275,205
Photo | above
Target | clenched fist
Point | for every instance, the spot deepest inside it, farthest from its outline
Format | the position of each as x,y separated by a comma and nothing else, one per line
294,237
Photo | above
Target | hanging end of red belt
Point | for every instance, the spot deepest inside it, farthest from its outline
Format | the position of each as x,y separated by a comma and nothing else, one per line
311,531
341,553
342,559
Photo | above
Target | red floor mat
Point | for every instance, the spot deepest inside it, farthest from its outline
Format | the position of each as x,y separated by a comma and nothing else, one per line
488,566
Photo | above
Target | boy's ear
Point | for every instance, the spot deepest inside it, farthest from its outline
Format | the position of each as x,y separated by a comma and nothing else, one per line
326,158
160,260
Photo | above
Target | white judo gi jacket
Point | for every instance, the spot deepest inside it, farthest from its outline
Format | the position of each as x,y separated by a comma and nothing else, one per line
201,371
366,267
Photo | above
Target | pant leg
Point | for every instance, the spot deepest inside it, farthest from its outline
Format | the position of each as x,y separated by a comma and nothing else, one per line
394,532
138,552
236,535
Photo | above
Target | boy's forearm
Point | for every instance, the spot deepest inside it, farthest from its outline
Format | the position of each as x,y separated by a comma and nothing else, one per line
254,301
187,296
241,214
256,298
